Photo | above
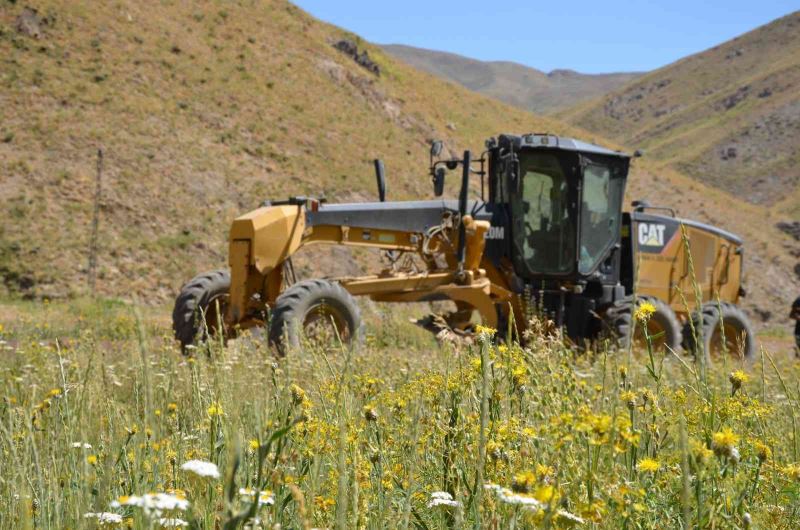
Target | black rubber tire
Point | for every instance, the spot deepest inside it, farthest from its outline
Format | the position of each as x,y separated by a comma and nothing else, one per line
192,305
619,322
708,321
295,304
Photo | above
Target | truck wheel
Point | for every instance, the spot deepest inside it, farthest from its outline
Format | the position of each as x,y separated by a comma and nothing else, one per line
663,327
717,321
200,307
320,310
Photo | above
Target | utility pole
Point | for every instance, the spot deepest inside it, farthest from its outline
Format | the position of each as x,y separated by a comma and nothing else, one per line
92,269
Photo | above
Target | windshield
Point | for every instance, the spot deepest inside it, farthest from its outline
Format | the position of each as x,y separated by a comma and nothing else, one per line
544,236
600,215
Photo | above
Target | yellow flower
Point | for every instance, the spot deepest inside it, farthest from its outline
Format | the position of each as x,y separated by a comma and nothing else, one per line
523,482
629,398
737,379
215,410
502,348
370,413
485,333
55,392
763,452
545,494
724,442
298,394
91,460
254,445
172,408
648,465
644,312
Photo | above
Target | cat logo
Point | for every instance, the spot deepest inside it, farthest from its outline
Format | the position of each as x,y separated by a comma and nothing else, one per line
496,232
651,235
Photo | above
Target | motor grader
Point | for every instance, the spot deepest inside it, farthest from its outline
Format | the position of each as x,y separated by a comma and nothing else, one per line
547,237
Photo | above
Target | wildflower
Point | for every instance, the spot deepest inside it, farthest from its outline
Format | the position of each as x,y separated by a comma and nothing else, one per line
737,379
523,482
700,453
623,373
172,522
629,398
370,414
763,452
215,409
502,348
724,442
201,469
172,408
545,494
298,394
792,471
104,517
485,333
91,460
265,497
254,444
644,312
81,445
442,498
648,465
55,392
153,504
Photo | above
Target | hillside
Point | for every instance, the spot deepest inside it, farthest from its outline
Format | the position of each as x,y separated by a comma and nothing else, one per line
729,116
516,84
206,109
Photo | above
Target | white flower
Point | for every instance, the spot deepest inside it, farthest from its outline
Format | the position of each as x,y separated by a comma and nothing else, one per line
442,498
528,502
153,504
201,468
173,522
104,517
81,445
265,498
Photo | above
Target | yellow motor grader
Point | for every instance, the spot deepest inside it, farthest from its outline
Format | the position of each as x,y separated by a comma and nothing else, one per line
548,236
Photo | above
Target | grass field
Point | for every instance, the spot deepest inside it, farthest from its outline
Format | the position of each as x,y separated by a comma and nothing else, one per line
100,408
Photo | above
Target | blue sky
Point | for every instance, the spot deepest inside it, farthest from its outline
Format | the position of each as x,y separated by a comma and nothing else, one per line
584,35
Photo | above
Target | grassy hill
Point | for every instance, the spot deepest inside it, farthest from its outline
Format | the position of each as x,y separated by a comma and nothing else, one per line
206,109
514,83
729,116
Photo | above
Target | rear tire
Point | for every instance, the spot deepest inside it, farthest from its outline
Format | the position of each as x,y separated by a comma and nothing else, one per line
663,326
712,320
314,307
195,314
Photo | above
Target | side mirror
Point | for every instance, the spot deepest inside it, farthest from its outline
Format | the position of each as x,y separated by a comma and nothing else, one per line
380,177
438,181
436,148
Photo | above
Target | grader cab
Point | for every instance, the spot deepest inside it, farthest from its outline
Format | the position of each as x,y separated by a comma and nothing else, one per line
548,236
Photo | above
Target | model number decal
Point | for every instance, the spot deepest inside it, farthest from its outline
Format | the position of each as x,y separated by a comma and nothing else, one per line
496,232
651,234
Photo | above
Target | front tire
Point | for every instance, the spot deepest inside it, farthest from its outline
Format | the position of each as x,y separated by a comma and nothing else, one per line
716,321
200,307
321,310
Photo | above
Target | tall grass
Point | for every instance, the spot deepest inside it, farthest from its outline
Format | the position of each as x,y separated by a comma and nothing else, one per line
512,436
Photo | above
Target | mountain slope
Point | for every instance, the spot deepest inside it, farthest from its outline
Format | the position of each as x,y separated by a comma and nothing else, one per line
206,109
729,116
513,83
